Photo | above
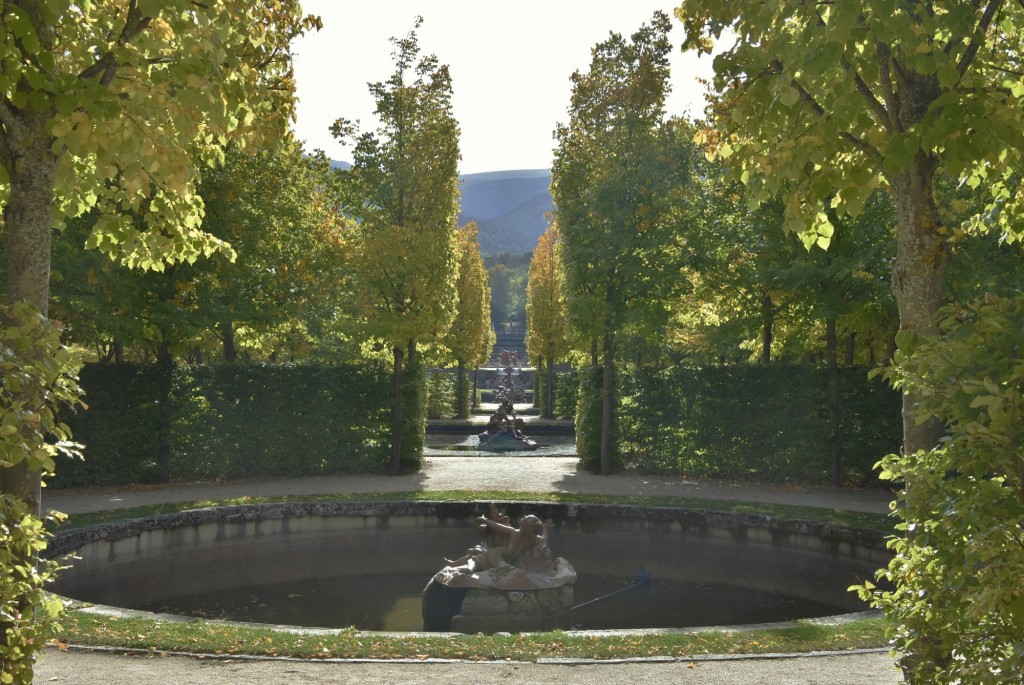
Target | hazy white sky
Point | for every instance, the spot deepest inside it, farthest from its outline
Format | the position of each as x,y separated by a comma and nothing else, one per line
510,64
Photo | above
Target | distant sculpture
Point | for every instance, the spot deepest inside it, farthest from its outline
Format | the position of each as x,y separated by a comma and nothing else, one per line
505,431
508,390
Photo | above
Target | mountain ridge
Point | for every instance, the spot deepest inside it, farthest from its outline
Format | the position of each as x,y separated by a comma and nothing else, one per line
510,207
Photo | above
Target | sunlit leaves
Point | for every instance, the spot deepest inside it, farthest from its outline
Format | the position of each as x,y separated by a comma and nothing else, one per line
546,335
40,375
470,337
131,100
611,178
403,186
831,100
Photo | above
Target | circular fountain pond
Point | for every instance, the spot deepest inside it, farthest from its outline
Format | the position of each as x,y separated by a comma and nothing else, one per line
365,564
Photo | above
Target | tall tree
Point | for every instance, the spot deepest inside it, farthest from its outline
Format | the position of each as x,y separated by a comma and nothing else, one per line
610,182
470,338
106,105
545,315
824,102
404,185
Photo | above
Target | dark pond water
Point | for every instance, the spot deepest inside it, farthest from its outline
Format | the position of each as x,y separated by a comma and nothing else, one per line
444,445
392,603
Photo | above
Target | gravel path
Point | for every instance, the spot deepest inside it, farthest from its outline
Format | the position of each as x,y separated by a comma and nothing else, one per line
91,668
523,474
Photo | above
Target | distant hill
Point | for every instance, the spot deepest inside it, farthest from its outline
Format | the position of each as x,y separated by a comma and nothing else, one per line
509,207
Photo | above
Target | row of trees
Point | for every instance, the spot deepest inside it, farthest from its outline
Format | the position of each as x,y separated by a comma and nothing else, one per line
890,137
156,132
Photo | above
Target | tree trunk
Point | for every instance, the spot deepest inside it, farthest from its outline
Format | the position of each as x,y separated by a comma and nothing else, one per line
461,405
918,277
832,375
851,348
918,283
227,335
394,467
767,320
28,221
607,402
475,401
538,400
551,389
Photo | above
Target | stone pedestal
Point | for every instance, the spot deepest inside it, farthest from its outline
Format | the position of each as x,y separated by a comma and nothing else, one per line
515,611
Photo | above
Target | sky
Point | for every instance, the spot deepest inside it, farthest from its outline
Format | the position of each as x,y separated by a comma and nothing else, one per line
510,64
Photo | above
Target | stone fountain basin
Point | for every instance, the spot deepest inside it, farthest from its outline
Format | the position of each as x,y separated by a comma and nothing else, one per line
136,562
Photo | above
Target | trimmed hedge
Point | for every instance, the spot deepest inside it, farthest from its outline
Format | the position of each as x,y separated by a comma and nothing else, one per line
233,421
767,422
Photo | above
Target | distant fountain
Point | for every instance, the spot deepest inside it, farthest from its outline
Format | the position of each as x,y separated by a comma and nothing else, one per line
508,390
504,429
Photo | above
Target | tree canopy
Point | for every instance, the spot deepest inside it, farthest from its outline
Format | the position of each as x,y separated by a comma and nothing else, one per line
118,106
821,103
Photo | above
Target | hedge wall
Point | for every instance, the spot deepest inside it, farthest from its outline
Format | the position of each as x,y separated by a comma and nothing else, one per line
233,421
762,421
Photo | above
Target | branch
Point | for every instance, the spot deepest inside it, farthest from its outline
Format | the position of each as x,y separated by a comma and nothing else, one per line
979,36
865,90
858,143
106,66
892,98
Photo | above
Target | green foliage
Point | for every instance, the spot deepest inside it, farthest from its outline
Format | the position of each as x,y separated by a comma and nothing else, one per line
545,306
470,338
588,418
39,376
564,394
232,421
956,602
610,183
403,192
119,429
441,399
127,97
616,166
752,421
508,277
414,417
811,104
278,208
28,614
